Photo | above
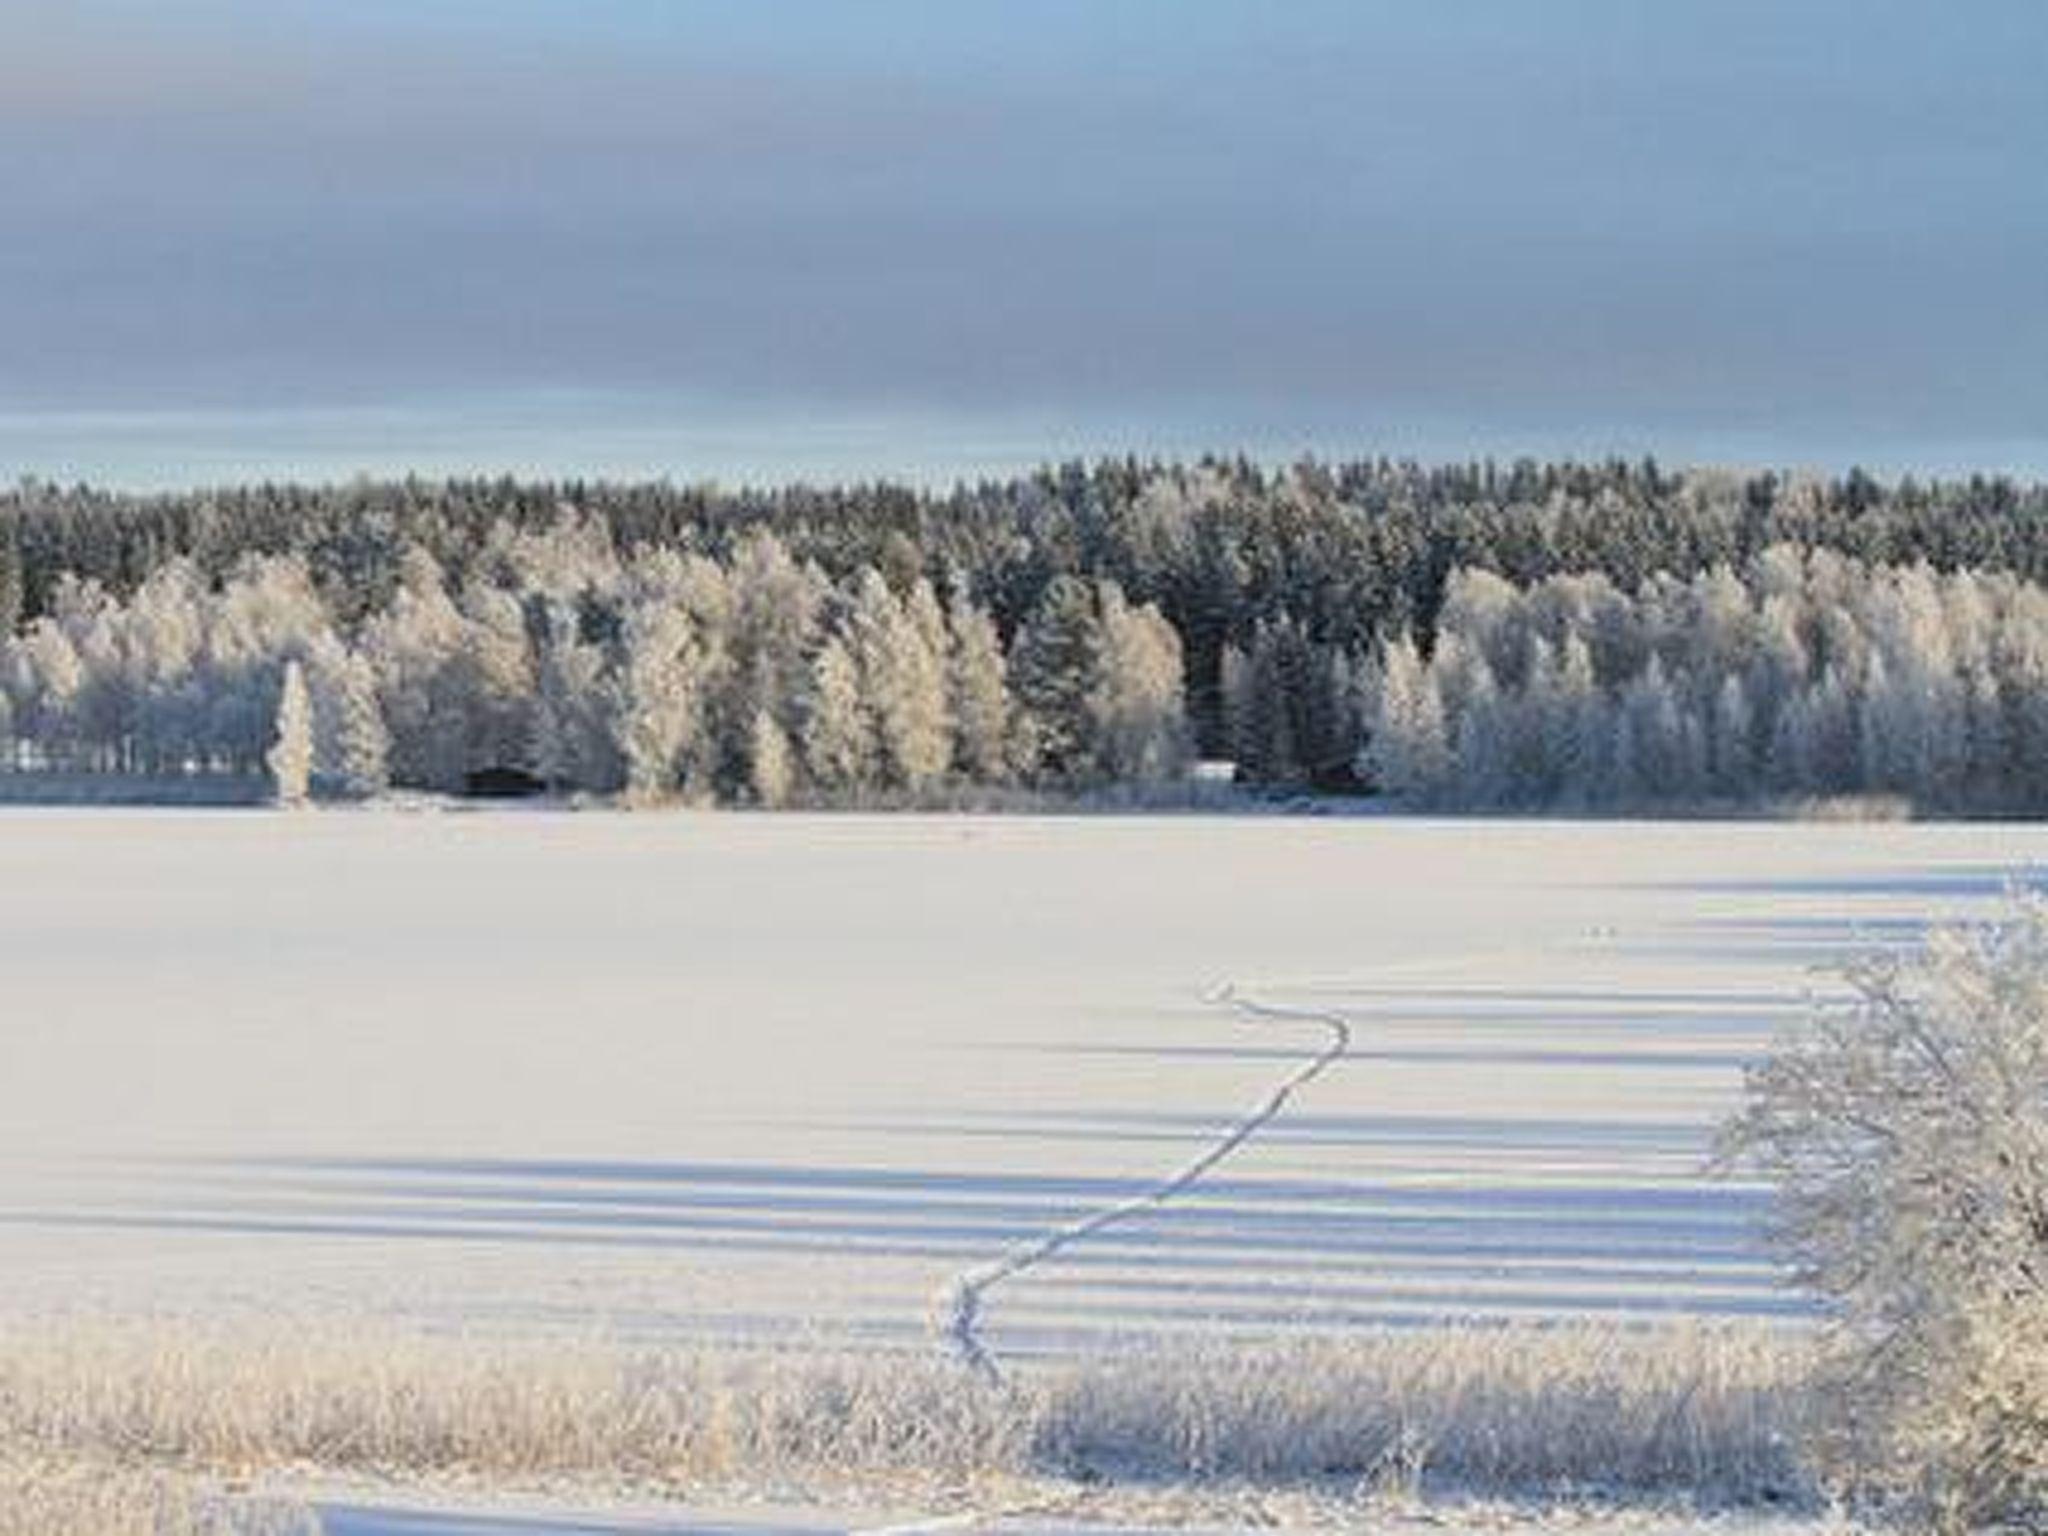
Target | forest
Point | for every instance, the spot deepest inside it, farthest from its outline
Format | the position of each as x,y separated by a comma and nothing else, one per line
1480,636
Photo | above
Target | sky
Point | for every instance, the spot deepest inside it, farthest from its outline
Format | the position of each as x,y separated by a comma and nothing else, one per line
773,239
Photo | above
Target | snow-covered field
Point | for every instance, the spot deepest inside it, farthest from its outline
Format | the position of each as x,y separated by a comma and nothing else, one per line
753,1077
682,1079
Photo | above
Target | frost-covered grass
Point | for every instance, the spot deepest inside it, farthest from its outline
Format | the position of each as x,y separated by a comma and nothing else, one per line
99,1498
1698,1411
1706,1410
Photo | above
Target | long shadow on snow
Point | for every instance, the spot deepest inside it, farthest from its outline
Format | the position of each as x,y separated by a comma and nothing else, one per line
1983,881
1479,1055
1453,1244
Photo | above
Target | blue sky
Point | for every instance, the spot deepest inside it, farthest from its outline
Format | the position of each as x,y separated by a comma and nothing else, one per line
766,238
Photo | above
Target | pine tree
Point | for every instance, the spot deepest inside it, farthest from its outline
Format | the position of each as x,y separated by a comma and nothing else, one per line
291,754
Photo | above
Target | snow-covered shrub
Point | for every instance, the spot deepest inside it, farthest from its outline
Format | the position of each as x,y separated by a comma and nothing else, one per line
1908,1137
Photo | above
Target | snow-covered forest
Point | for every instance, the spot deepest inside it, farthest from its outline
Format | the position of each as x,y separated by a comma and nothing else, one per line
667,675
1529,636
1797,675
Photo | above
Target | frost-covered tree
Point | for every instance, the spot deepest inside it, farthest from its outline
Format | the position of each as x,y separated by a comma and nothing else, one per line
493,679
493,620
1803,674
1482,735
571,746
10,578
899,650
362,745
1407,747
656,699
1347,554
838,743
1656,751
1264,686
414,646
1052,672
291,753
1135,711
1731,742
1908,1139
770,630
46,680
1099,684
1578,740
978,695
1293,707
772,766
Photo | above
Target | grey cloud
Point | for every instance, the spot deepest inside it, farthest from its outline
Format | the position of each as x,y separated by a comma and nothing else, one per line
1333,224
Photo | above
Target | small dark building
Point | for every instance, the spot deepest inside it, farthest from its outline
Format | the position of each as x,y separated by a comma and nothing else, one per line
498,783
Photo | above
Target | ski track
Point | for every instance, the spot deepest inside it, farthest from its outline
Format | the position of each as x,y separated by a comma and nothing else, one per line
964,1299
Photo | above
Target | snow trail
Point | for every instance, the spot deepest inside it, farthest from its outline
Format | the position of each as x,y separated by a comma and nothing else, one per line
959,1324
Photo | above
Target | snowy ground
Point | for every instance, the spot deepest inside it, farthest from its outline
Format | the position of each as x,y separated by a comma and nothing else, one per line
783,1077
754,1079
535,1518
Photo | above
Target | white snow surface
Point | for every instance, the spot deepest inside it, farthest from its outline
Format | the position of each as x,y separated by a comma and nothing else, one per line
540,1518
786,1078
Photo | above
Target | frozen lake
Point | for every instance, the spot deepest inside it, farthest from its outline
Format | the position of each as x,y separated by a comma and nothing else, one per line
781,1078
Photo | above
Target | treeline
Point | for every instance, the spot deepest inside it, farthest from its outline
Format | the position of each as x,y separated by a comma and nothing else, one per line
1802,675
1531,635
1337,555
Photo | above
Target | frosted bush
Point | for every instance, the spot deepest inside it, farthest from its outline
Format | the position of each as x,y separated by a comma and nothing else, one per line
1908,1136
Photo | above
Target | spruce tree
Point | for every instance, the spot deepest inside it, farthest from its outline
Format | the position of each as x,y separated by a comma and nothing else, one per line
1052,671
